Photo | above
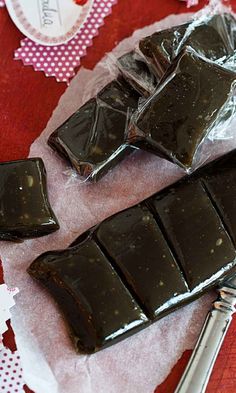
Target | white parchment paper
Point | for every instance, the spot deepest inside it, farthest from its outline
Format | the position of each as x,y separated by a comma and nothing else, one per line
49,361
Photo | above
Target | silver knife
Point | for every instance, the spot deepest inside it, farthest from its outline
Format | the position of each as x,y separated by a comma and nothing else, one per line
199,368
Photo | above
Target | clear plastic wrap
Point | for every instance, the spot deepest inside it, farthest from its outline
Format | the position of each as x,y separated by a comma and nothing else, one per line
136,71
174,123
95,140
92,139
161,48
194,96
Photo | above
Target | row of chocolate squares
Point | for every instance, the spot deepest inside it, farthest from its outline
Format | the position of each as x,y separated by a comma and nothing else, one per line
169,95
147,260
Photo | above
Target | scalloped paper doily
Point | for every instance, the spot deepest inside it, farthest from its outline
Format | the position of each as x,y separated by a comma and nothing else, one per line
61,61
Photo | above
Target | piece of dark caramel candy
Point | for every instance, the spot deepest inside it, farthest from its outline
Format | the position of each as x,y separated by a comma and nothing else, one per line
99,308
195,231
175,120
92,139
136,244
161,48
137,74
25,211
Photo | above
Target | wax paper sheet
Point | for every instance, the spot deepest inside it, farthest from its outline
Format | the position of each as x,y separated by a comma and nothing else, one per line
140,363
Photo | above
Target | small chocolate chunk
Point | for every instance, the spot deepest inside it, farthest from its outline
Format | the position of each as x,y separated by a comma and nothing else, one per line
92,139
25,211
98,307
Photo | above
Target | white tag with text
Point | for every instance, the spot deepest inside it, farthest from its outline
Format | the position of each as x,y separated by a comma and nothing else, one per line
48,22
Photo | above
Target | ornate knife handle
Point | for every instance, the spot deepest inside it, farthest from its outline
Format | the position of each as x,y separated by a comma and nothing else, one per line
199,368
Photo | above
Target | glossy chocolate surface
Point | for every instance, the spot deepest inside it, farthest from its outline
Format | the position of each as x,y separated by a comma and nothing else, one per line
202,246
174,121
98,306
25,211
220,181
143,262
136,244
161,48
137,73
92,139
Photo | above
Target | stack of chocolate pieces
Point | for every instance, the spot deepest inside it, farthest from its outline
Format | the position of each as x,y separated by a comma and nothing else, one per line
177,81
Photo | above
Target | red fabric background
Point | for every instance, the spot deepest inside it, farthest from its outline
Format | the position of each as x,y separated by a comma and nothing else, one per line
27,99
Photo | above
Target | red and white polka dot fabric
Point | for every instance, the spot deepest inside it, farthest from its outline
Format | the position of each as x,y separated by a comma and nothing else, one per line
11,378
60,61
2,3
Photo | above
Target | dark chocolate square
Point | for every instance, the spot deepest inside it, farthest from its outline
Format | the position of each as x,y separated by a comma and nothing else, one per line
159,48
25,211
97,305
175,120
92,139
195,231
136,244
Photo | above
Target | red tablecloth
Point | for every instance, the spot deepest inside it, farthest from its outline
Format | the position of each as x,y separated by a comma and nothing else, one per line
27,99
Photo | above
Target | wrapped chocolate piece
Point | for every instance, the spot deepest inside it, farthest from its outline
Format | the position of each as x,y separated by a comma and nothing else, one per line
170,123
159,48
143,262
92,139
25,210
162,47
192,99
137,74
